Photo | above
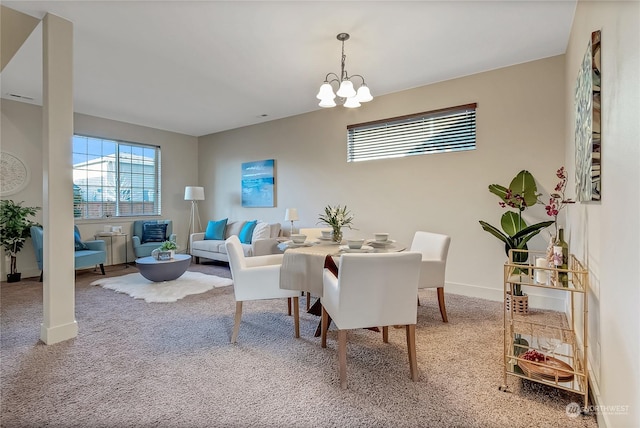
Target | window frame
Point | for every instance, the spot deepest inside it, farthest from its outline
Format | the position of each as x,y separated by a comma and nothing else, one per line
85,206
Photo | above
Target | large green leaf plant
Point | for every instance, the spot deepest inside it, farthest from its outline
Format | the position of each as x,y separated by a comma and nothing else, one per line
515,233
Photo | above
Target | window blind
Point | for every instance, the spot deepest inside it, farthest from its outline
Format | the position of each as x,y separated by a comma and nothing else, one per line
445,130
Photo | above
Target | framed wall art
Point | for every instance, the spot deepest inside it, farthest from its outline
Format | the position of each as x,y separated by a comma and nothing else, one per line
258,184
587,133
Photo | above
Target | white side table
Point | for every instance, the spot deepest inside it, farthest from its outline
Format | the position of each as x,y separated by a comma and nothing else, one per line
109,235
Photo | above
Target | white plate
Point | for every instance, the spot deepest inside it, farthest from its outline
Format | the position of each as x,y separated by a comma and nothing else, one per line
386,243
324,239
363,249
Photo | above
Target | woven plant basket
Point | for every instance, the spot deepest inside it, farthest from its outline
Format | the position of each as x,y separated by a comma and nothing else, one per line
520,303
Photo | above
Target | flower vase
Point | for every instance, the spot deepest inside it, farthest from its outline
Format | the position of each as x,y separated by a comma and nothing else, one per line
337,234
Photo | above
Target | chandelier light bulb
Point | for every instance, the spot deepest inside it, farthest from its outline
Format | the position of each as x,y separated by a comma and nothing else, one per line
346,89
364,95
352,102
326,91
327,103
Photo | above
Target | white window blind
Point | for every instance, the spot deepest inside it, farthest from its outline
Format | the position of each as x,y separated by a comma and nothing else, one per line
115,178
445,130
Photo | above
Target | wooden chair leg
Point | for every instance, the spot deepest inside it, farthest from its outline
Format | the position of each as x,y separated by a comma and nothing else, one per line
443,310
41,273
385,334
102,269
289,306
411,349
342,357
324,326
236,323
308,300
418,300
296,318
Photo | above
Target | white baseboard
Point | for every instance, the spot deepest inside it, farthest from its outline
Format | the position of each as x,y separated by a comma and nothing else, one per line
58,333
536,299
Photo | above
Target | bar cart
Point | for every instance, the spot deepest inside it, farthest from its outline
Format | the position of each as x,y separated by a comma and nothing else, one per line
548,353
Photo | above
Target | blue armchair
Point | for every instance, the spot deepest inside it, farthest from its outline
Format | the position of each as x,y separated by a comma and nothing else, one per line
87,254
150,234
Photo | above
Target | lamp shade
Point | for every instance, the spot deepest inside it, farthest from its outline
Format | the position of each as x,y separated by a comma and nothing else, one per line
364,95
193,193
346,89
291,214
352,102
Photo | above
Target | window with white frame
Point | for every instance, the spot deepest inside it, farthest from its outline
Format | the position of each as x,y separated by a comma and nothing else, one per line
114,178
446,130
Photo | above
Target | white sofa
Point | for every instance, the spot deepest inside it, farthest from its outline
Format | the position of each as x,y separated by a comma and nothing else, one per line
264,241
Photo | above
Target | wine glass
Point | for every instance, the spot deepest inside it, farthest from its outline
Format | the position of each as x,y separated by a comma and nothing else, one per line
550,339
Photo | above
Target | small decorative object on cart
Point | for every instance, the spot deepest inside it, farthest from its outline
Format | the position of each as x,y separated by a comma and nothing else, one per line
336,217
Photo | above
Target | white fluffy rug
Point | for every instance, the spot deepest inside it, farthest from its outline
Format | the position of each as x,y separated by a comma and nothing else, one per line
138,287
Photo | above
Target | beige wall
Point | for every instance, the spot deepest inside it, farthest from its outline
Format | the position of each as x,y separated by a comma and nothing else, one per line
22,134
606,233
520,125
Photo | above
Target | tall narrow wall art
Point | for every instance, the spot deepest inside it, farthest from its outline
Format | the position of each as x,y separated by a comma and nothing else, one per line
587,133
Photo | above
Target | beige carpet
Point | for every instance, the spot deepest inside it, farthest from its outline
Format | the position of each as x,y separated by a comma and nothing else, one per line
136,364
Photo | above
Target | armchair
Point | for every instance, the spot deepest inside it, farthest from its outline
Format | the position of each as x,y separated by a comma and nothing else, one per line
434,248
372,290
256,278
145,239
87,254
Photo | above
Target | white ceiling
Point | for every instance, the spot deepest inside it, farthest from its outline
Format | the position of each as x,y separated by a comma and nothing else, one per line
198,67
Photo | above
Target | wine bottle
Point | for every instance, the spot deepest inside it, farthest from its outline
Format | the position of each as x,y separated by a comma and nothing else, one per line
561,258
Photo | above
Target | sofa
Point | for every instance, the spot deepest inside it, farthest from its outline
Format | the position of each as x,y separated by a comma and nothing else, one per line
150,234
263,241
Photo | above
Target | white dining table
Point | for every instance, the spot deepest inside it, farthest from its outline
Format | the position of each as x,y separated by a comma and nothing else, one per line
302,267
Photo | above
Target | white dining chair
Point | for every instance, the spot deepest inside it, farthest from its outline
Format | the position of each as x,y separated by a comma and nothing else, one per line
434,248
257,278
372,290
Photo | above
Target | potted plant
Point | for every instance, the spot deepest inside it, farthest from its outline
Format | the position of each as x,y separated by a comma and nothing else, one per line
336,217
165,251
515,233
14,230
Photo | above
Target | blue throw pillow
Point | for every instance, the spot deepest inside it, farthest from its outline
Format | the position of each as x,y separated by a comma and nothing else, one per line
215,229
247,232
78,244
154,232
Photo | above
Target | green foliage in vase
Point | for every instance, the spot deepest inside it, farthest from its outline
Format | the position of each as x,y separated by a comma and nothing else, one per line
168,246
515,233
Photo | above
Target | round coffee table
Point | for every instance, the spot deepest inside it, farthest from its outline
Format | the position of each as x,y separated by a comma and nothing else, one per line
163,270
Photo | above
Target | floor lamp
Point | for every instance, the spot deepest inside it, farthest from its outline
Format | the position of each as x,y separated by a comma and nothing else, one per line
193,194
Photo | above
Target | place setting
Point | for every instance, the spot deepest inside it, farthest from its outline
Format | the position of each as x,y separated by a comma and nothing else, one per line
355,246
297,240
327,238
381,241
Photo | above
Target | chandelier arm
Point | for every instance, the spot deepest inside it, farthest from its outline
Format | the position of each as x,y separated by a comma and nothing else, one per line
335,79
358,75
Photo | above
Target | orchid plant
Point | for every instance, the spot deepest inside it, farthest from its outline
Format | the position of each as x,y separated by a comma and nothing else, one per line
557,200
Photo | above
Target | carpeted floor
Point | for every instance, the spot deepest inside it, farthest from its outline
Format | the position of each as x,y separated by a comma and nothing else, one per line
138,364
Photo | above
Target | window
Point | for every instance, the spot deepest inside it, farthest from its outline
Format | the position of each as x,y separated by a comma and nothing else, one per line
114,178
446,130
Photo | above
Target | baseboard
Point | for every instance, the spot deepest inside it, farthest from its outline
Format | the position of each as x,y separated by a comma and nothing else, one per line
59,333
536,299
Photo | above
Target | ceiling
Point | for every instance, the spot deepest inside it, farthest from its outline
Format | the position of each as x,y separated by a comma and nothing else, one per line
199,67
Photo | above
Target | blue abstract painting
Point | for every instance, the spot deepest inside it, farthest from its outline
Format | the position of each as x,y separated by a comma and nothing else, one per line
258,183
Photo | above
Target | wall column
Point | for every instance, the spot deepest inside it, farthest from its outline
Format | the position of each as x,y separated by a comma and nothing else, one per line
59,322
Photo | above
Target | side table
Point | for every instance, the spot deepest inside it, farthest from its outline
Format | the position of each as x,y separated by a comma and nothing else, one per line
103,235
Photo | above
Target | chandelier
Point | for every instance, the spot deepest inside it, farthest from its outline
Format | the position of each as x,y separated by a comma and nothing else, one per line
349,96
